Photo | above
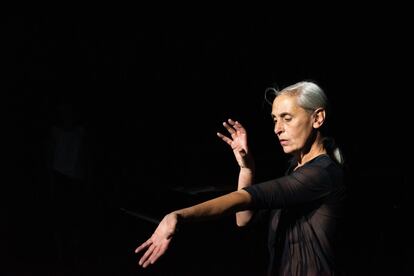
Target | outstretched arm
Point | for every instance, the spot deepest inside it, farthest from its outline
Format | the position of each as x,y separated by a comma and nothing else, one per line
158,243
239,144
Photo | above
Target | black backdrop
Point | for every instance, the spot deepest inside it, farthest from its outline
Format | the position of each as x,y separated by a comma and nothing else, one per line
152,90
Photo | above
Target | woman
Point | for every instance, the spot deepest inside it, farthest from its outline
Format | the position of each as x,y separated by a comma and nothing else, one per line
304,206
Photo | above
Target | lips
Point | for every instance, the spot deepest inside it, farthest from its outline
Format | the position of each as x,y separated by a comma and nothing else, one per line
283,142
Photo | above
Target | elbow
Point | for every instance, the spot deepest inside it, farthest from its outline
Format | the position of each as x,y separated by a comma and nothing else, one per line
244,215
242,219
241,223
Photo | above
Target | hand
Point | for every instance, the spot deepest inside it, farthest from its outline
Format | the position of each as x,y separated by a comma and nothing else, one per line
158,243
237,142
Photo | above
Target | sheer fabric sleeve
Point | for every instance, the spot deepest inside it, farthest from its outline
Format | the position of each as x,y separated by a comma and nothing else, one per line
306,185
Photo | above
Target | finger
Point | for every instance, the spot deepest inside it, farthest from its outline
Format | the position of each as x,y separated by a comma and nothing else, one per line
155,255
239,128
229,128
228,125
142,246
224,138
159,253
237,125
145,257
146,263
150,257
231,122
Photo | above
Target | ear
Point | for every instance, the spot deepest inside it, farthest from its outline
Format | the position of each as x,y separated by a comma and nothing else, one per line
318,117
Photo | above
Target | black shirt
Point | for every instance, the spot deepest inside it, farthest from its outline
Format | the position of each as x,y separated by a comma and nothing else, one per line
305,209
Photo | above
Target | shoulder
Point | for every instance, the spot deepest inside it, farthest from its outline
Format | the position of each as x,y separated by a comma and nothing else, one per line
324,162
321,169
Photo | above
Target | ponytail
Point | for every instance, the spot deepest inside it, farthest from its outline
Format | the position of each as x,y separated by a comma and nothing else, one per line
333,150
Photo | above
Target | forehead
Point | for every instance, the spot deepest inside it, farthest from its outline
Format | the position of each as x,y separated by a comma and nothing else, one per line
285,103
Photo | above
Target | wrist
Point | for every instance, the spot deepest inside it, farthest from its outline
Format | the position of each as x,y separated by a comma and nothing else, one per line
178,216
247,167
247,163
247,170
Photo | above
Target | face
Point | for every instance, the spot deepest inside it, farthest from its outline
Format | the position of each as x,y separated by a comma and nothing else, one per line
293,124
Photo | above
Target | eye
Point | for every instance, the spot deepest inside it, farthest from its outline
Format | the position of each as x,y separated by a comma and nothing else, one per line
287,119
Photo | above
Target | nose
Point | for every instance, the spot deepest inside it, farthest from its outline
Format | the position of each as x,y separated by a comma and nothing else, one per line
278,128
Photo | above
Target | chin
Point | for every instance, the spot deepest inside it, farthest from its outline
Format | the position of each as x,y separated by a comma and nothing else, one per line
290,150
287,150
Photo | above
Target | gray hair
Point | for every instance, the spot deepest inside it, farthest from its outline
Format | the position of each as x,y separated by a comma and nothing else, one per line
310,97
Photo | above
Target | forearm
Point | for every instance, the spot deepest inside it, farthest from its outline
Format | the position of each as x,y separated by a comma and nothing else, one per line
246,178
217,207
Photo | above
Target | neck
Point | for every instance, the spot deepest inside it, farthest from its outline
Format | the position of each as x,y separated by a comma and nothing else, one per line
314,150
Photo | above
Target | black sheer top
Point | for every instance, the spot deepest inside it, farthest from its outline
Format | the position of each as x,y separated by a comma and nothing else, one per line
305,208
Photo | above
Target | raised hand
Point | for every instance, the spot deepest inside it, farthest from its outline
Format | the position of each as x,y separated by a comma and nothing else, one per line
159,242
237,142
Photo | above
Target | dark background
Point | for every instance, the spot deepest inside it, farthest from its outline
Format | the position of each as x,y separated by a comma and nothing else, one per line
152,89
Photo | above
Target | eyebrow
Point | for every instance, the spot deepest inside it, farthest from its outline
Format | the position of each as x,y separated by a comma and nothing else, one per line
282,114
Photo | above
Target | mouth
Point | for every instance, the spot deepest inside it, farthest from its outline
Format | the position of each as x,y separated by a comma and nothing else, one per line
283,142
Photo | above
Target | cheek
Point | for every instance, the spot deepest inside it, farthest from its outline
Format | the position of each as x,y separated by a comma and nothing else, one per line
299,135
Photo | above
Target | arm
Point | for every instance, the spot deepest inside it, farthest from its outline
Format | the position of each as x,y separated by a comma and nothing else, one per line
239,145
158,243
